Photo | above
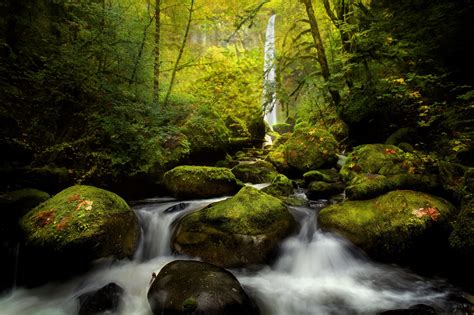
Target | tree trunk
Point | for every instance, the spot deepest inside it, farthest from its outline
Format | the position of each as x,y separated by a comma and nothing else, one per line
156,53
180,53
320,50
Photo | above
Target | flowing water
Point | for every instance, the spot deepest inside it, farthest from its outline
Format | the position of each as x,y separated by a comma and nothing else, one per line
315,273
269,85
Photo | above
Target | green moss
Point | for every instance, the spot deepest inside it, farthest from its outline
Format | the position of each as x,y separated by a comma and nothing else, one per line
21,201
82,214
190,304
389,225
255,172
245,229
200,181
249,212
328,176
310,148
281,186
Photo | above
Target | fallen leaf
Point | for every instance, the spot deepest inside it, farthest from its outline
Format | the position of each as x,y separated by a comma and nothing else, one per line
431,212
390,151
73,198
86,203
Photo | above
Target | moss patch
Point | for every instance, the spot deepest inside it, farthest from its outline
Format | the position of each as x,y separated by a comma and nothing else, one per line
255,172
281,186
200,181
390,226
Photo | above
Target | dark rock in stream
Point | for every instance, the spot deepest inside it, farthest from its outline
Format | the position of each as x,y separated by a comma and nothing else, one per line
177,207
106,299
192,287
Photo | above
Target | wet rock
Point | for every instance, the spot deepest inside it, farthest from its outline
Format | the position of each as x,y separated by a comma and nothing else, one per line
280,187
245,229
255,172
191,287
399,226
324,175
107,299
200,182
177,207
77,226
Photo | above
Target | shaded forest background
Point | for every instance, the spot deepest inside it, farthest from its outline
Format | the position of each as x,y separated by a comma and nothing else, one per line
77,81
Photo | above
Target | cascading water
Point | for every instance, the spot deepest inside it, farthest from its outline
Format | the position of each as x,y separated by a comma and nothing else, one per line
315,273
269,86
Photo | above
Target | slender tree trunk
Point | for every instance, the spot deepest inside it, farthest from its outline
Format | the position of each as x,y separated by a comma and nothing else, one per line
318,42
156,53
180,53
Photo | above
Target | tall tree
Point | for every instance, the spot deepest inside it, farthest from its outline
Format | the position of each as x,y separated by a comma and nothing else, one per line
181,51
318,43
156,77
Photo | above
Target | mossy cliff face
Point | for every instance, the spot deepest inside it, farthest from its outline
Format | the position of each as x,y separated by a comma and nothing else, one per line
306,149
200,182
245,229
374,169
396,226
81,224
192,287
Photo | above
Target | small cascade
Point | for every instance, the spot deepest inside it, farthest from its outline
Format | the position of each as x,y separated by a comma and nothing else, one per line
270,103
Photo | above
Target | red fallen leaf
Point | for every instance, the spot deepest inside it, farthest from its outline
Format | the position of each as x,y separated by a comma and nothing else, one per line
73,198
431,212
390,151
64,223
45,217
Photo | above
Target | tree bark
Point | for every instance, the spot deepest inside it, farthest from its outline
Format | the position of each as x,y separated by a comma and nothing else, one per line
318,43
180,53
156,53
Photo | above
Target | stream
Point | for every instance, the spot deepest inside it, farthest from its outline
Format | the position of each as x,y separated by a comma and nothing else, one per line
314,273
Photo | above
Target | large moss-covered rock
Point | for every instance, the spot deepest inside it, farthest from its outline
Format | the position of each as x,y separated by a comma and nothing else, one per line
255,172
192,287
374,169
15,204
323,175
78,225
394,226
200,181
306,149
245,229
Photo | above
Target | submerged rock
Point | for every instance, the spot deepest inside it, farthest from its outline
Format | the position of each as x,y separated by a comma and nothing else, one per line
107,299
255,172
192,287
77,226
200,182
374,169
245,229
397,226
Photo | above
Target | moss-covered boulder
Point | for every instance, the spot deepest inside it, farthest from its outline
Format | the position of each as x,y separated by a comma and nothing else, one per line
192,287
77,226
322,190
15,204
306,149
280,187
245,229
398,226
374,169
282,128
200,181
255,172
323,175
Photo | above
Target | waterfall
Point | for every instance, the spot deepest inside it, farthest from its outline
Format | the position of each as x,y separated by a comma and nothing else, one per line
269,82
